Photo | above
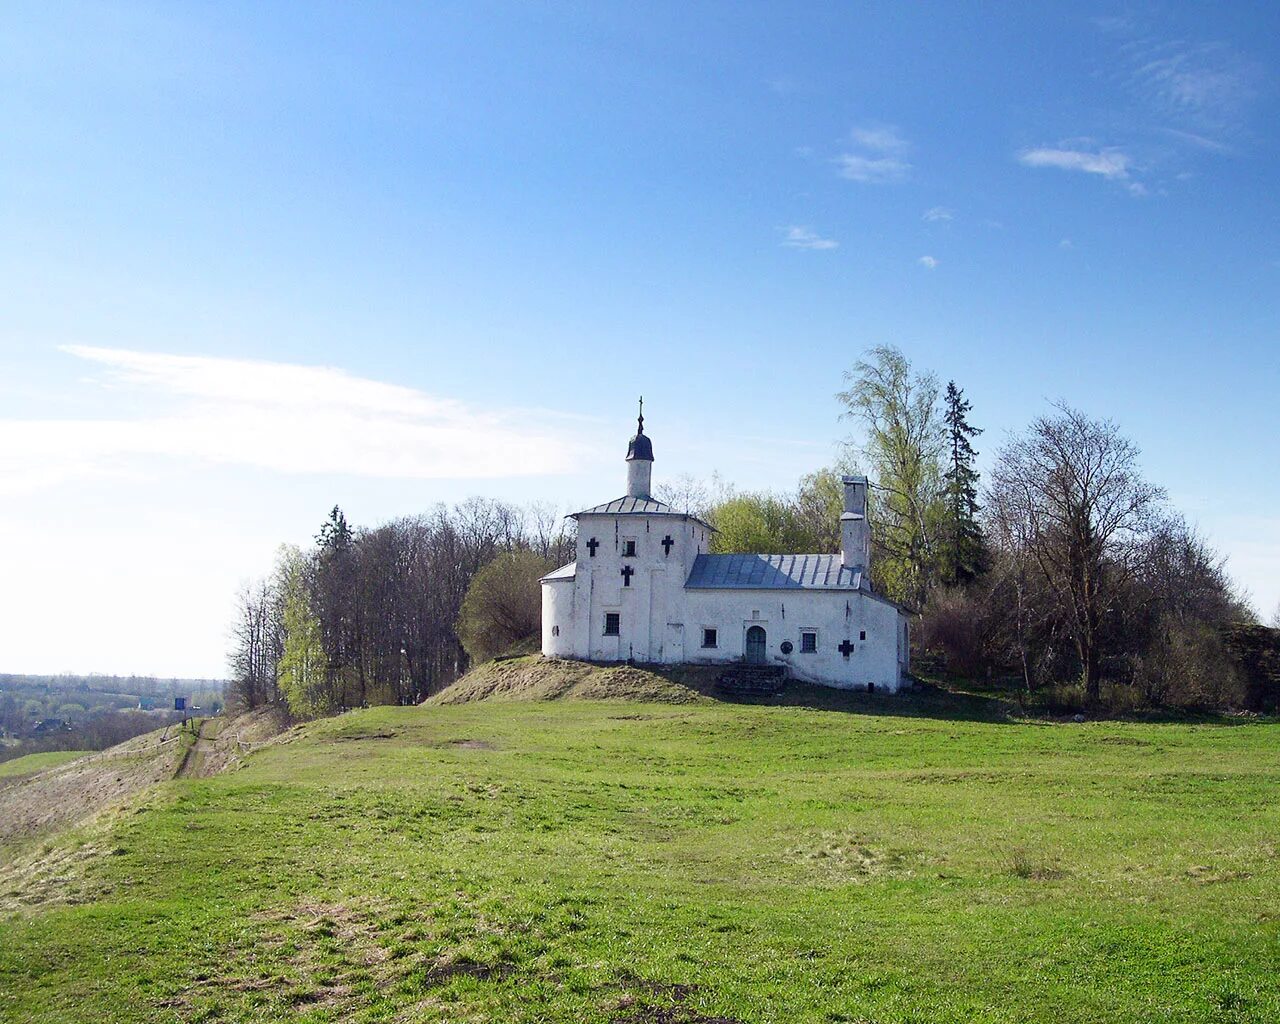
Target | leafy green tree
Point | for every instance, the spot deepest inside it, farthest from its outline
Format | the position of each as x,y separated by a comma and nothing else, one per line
819,502
503,604
805,522
759,523
963,556
898,409
304,679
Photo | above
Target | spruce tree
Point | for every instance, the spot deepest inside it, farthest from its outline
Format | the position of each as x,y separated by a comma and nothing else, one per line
965,557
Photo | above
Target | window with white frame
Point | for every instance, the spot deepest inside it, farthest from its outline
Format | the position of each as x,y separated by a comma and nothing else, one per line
710,638
808,641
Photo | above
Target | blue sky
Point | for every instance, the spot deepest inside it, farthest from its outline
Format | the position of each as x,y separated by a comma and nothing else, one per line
260,258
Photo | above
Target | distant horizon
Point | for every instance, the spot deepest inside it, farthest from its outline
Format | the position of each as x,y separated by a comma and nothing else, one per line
111,675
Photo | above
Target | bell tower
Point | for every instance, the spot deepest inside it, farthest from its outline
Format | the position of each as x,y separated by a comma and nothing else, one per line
639,461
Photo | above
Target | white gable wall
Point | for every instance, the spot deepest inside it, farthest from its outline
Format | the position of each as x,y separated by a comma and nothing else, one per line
646,606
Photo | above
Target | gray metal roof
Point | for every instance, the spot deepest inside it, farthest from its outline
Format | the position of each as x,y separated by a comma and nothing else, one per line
565,572
630,506
772,572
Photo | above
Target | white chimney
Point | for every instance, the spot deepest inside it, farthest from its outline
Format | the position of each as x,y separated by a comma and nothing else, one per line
855,532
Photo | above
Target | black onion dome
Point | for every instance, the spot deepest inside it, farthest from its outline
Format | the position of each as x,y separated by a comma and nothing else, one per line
640,447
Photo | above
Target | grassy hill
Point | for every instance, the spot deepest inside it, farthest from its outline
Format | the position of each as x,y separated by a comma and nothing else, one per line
675,863
29,764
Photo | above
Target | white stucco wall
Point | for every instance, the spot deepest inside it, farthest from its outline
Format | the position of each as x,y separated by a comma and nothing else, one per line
557,618
870,624
652,601
662,622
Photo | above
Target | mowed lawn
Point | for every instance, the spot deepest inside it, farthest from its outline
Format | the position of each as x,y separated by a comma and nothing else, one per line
583,861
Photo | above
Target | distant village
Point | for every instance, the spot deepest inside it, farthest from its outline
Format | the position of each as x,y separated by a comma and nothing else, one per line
72,712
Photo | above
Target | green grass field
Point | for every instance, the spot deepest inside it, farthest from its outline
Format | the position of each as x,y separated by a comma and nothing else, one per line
659,864
28,764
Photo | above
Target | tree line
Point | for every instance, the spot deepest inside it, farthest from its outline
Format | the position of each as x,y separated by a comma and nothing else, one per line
371,616
1065,569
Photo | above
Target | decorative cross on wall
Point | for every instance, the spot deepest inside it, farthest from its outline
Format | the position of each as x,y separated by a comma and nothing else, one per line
627,572
592,544
845,648
666,544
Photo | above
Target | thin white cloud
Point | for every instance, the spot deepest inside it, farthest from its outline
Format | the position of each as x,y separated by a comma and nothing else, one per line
1199,94
800,237
282,417
872,170
1112,23
1209,82
1198,141
937,213
1109,163
880,139
877,156
928,262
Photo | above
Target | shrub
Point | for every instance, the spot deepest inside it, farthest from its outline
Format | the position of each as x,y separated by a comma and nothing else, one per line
954,626
503,604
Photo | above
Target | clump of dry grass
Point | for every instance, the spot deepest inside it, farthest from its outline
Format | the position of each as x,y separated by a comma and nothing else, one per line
537,678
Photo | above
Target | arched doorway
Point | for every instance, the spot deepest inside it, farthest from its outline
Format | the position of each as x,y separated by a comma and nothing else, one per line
755,645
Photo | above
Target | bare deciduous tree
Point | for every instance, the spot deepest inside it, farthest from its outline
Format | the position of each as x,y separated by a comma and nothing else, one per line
255,646
1069,496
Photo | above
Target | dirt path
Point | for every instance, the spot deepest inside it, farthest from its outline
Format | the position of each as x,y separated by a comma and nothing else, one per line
193,760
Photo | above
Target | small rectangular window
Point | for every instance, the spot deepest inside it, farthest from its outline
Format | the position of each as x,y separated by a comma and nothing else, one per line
612,623
709,638
862,634
808,641
628,549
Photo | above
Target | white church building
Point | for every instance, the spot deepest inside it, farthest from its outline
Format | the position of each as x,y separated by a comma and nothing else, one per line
646,588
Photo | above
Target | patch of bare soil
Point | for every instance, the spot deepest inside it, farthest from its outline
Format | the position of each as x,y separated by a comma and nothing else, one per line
660,1003
537,678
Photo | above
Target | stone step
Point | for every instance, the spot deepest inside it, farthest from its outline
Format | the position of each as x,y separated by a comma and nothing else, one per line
752,680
